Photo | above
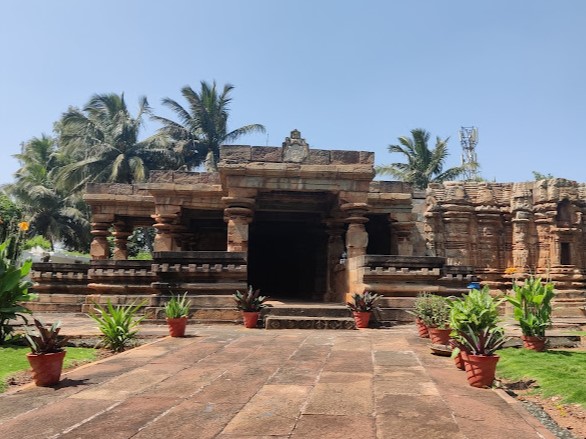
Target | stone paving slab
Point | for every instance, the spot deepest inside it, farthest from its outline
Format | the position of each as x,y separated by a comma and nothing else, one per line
231,382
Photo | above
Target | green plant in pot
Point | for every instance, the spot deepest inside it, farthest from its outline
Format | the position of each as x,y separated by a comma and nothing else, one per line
250,304
362,306
421,310
438,319
118,324
47,353
177,313
532,309
476,335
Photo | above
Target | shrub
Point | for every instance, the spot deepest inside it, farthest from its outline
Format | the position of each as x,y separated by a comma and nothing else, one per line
177,306
439,312
117,324
532,303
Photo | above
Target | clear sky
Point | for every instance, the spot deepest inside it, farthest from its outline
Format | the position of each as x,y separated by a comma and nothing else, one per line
347,74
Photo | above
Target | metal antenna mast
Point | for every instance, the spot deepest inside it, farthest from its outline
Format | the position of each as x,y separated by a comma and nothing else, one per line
469,140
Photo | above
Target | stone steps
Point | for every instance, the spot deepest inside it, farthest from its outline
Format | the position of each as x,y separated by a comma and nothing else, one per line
304,322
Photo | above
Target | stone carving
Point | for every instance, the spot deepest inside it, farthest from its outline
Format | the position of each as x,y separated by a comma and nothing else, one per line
295,149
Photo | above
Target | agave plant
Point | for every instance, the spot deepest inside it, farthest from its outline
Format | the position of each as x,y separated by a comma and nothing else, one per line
363,302
48,340
250,301
117,324
177,306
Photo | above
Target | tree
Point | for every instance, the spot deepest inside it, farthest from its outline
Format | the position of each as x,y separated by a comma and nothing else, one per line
202,126
101,142
423,165
51,212
539,176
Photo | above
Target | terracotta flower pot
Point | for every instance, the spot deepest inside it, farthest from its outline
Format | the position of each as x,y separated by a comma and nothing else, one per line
534,343
46,368
459,360
439,335
177,326
250,319
481,369
361,319
421,328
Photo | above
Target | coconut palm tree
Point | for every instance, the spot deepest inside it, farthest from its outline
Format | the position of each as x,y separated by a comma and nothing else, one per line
52,213
102,143
202,125
423,165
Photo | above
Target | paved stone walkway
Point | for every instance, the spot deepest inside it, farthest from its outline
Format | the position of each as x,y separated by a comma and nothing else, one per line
231,382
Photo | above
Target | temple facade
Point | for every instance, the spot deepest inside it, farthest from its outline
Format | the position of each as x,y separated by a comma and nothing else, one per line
313,225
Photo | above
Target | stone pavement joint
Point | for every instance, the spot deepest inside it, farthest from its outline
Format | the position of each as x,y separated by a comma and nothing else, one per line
231,382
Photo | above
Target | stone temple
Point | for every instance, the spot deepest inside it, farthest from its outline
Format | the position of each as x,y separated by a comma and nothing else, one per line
311,226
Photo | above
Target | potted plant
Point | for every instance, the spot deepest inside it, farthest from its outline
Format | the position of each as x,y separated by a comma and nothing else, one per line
532,309
47,353
177,313
421,309
474,319
438,320
250,303
362,306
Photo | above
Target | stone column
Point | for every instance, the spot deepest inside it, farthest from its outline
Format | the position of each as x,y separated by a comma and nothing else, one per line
238,214
460,239
356,236
402,226
335,230
121,233
166,226
99,248
489,237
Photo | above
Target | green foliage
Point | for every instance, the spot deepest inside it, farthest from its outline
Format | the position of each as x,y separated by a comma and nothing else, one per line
363,302
13,290
251,301
540,176
37,241
557,372
177,306
474,321
202,126
10,214
439,312
117,324
422,306
423,165
48,340
532,303
141,256
14,360
476,310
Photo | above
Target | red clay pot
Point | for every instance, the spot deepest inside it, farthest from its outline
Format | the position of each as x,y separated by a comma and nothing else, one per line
250,319
534,343
439,335
421,328
481,369
177,326
46,368
361,319
459,360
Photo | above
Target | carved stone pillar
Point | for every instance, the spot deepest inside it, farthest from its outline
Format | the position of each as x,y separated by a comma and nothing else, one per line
121,233
335,230
548,253
489,237
460,239
402,227
238,214
166,226
99,248
356,236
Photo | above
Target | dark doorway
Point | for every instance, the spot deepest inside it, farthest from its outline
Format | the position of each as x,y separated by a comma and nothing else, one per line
565,255
287,255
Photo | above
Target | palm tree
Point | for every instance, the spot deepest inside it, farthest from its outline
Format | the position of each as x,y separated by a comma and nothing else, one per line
423,165
51,212
202,126
102,143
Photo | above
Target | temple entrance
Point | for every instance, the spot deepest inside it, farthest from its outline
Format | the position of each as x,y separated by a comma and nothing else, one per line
287,255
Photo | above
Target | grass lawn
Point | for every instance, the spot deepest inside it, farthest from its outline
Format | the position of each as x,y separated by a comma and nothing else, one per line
13,359
558,373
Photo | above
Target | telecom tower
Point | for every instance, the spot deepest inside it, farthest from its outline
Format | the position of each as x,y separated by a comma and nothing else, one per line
469,140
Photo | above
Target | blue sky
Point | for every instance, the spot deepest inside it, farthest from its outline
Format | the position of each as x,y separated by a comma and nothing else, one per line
348,75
